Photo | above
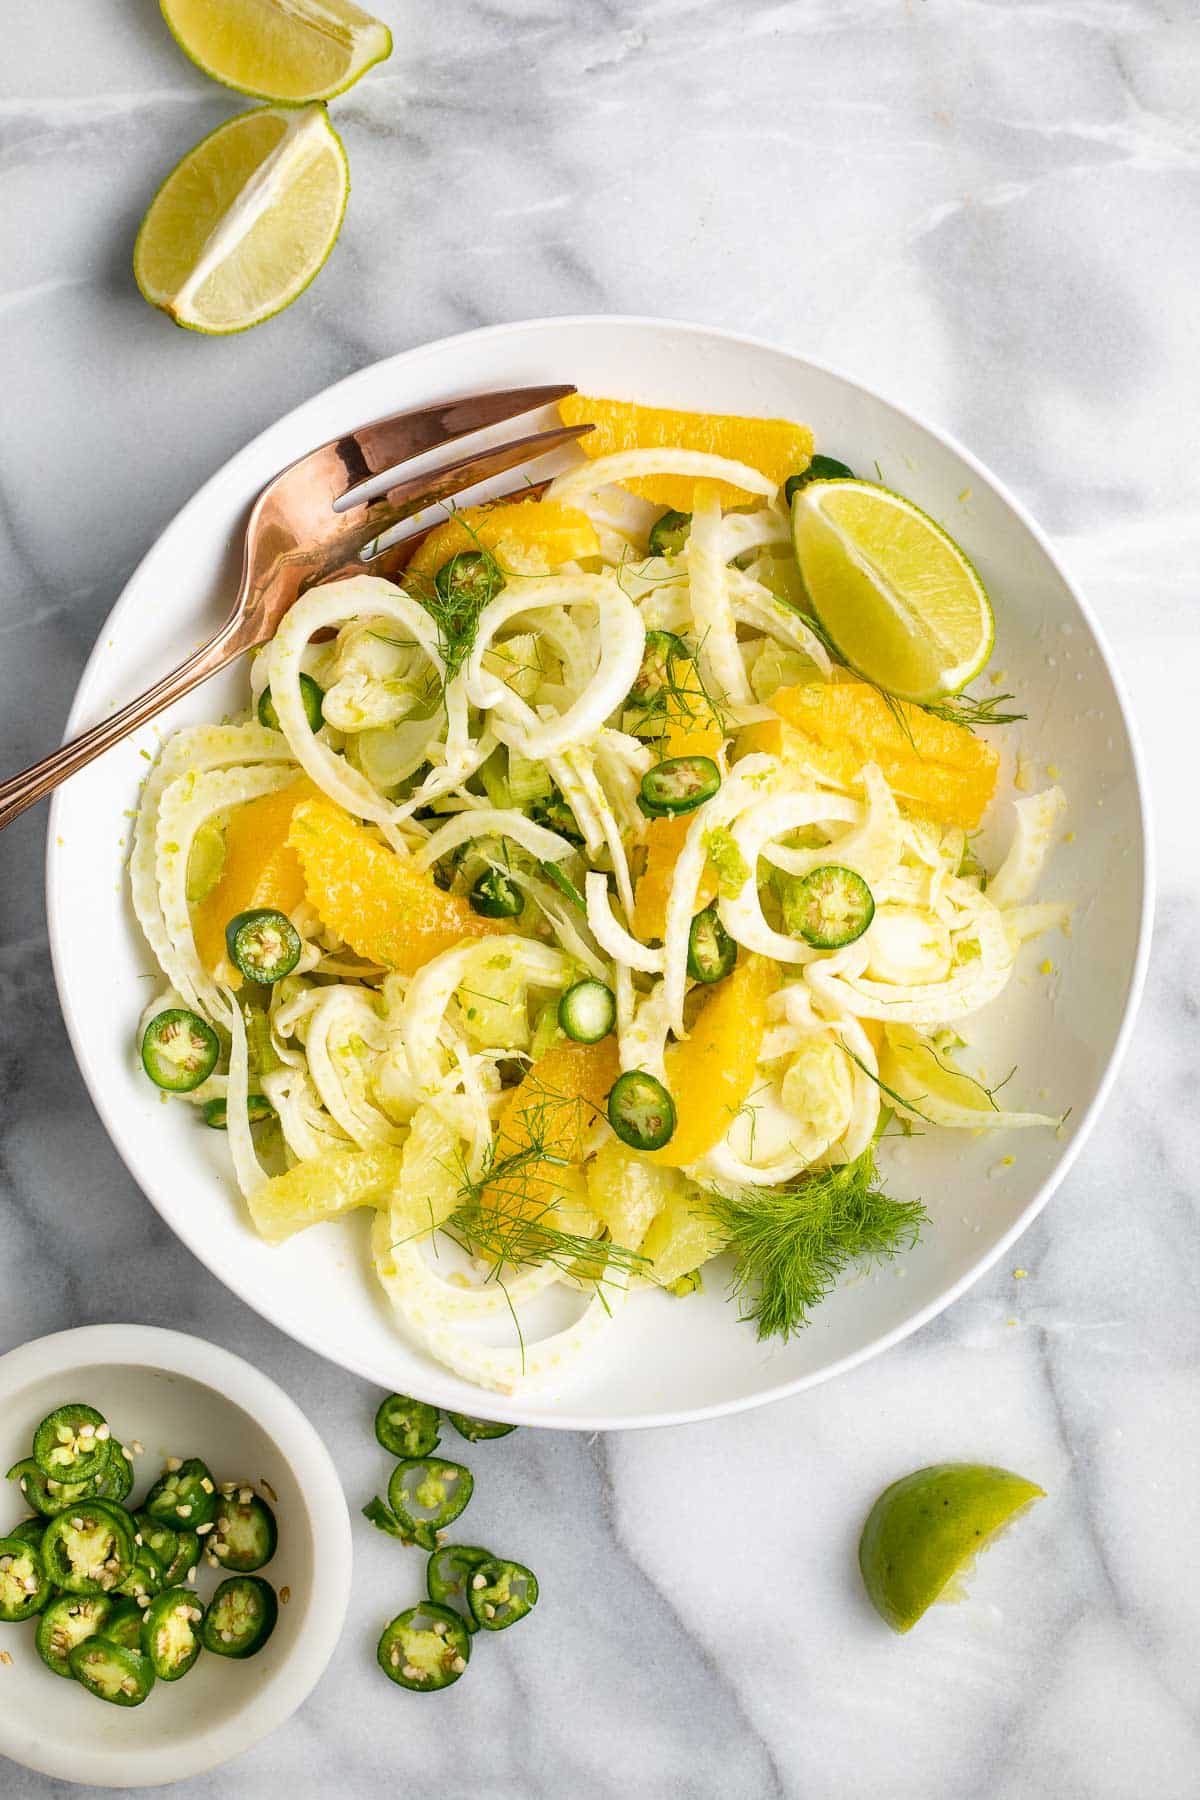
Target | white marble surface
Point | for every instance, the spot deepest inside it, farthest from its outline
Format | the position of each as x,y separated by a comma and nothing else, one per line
988,210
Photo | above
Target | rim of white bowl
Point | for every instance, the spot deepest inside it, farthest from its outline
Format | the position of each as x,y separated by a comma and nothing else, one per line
513,1413
291,1682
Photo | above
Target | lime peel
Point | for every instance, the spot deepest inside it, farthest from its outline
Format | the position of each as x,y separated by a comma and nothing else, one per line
288,51
924,1533
246,251
898,598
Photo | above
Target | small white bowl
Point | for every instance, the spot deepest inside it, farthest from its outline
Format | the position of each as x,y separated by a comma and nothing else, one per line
179,1396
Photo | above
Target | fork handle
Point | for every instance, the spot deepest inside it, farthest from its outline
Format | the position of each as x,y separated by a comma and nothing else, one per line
22,790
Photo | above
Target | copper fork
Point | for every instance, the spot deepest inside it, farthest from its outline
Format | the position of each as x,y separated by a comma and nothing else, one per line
295,538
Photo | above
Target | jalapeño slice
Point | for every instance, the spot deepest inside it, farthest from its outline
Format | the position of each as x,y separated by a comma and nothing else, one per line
426,1494
179,1050
123,1677
72,1443
263,944
312,696
425,1648
829,907
501,1592
24,1587
241,1617
711,951
677,785
405,1427
69,1621
449,1574
171,1632
641,1111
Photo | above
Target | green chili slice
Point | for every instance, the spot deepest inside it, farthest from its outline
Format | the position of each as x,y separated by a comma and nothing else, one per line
68,1621
184,1494
587,1011
424,1648
501,1593
552,811
426,1494
241,1617
448,1578
711,951
146,1578
24,1585
829,907
641,1111
669,533
123,1677
478,1431
496,896
263,944
216,1112
123,1625
312,697
72,1443
171,1632
89,1548
179,1050
406,1427
245,1535
43,1492
821,468
679,784
465,584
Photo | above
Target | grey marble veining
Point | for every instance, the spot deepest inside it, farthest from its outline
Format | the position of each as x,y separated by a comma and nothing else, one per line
988,209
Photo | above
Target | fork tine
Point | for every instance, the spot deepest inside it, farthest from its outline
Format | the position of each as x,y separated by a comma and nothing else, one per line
373,449
419,491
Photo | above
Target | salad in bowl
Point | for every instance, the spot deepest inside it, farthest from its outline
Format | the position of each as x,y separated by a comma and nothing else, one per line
590,899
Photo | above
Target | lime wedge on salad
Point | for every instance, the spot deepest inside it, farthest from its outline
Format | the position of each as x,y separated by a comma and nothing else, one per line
896,595
288,50
242,225
924,1532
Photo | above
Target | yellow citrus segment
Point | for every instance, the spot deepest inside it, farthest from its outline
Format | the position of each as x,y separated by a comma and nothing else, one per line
259,869
693,729
925,1531
323,1187
299,51
894,591
245,220
664,841
778,447
940,768
711,1071
550,1110
533,535
386,910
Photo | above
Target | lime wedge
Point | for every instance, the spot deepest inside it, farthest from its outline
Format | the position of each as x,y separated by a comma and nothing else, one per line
289,50
923,1534
896,595
241,226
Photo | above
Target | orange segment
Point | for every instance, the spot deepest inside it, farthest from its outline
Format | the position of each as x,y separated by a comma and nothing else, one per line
692,730
941,768
664,841
386,910
711,1071
778,447
539,531
260,869
551,1108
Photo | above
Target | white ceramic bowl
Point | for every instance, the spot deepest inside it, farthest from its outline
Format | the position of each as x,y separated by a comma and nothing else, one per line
669,1361
178,1396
